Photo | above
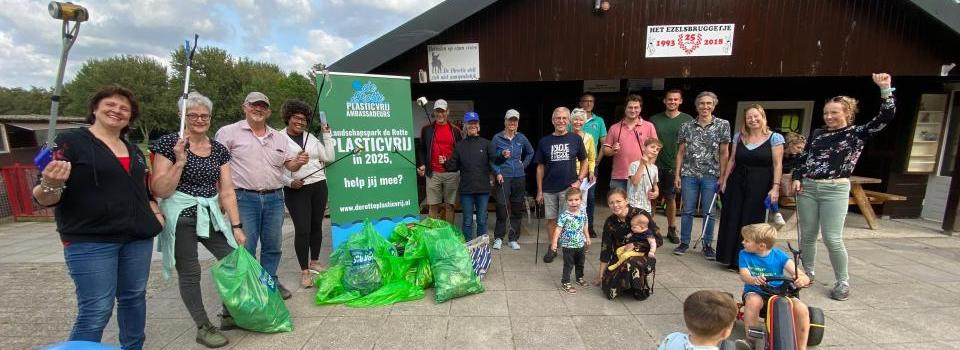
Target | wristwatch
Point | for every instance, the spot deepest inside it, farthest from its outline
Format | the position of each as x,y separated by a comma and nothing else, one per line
240,225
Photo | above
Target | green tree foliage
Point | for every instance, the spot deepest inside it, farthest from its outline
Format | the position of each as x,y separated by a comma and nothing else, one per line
23,101
146,77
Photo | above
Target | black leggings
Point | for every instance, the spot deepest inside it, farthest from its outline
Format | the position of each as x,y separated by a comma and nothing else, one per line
307,205
573,259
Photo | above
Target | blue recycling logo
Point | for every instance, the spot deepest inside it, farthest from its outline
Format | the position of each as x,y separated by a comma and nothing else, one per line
366,93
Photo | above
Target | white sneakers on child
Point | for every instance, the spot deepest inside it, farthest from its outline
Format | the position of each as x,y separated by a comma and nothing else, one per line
778,219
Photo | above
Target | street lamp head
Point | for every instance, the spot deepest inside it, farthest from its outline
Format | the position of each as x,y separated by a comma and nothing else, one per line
68,11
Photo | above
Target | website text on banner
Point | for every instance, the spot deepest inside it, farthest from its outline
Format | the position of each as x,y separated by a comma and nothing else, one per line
372,113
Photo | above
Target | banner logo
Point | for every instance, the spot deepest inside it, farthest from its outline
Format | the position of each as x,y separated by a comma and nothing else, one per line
367,101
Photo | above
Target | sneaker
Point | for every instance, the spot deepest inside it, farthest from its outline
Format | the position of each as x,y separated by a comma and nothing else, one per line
514,245
549,256
672,235
841,291
497,243
812,277
778,219
567,287
284,292
709,253
227,323
210,336
581,282
681,249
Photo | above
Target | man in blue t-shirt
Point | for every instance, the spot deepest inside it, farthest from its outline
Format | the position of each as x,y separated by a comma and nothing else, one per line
556,157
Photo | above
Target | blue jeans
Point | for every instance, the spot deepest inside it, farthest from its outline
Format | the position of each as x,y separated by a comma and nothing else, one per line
692,188
474,203
102,273
262,218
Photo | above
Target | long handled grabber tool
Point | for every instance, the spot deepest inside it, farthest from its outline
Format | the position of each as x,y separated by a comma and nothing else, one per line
708,216
188,61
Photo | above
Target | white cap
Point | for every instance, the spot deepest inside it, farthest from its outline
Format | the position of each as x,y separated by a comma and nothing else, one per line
511,114
440,104
256,97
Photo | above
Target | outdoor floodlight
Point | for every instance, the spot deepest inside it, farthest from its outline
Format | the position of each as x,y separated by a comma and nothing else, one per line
68,11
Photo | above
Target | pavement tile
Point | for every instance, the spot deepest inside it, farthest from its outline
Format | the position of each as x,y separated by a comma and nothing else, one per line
893,296
882,328
413,332
423,307
658,327
878,257
938,323
536,303
836,333
479,333
920,346
554,332
303,329
348,333
611,332
591,301
925,273
530,280
489,303
342,310
493,280
662,301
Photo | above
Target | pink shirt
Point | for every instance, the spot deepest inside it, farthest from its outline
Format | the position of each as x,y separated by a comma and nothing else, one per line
256,164
631,145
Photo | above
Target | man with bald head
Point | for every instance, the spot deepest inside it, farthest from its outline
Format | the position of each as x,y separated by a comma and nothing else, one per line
556,157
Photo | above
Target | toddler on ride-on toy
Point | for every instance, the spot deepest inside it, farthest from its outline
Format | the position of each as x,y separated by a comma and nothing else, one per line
759,260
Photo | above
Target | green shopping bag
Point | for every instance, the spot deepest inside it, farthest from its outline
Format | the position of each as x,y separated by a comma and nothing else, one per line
450,262
250,294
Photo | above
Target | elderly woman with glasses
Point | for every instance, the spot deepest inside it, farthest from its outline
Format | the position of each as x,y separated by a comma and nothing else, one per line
822,178
193,178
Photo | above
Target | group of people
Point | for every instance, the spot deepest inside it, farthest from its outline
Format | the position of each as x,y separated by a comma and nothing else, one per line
224,192
230,190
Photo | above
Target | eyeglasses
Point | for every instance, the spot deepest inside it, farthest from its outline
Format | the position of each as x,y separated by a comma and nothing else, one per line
195,117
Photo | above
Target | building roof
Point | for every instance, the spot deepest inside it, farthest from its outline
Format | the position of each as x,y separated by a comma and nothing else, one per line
946,11
408,35
450,12
37,118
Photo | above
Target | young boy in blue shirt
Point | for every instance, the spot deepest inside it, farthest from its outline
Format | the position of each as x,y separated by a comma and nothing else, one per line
758,260
709,316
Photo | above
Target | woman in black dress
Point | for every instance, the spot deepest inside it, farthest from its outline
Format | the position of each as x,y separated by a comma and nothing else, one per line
752,174
630,276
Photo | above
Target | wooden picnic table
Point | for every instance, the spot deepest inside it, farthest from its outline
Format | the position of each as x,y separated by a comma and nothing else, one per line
862,198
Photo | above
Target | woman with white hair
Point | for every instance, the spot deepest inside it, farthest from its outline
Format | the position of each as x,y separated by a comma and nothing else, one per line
192,176
579,117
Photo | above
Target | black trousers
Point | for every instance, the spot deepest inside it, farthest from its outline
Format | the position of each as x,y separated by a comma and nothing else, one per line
511,191
572,258
188,264
307,205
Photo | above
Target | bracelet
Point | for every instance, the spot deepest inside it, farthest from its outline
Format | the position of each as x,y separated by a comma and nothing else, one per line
48,189
776,183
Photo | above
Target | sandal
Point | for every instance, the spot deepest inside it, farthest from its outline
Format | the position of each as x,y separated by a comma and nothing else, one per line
306,279
316,267
567,287
581,282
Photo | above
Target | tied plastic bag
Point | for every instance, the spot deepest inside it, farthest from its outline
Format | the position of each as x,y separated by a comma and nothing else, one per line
250,294
409,237
364,257
330,288
450,262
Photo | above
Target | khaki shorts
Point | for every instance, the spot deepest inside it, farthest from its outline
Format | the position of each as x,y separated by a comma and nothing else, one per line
553,203
442,188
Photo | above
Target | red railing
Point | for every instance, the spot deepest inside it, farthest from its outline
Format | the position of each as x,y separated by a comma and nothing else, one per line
20,180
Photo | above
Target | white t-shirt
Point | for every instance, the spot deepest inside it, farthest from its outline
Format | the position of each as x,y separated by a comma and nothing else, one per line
681,341
637,195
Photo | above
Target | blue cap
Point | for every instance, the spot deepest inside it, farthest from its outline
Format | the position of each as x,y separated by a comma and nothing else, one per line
471,117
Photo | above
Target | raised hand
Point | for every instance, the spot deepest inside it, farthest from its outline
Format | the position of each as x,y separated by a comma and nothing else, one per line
56,173
883,80
303,158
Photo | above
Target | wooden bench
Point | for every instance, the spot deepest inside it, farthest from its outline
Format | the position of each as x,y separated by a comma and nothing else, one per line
872,197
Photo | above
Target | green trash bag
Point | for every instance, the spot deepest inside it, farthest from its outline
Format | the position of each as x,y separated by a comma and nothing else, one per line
417,271
250,294
450,262
364,257
330,287
390,293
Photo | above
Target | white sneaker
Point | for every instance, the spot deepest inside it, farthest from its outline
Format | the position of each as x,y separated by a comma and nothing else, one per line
497,243
514,245
778,219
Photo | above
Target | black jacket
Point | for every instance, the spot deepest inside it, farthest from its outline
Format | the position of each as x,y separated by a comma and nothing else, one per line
102,202
472,158
426,137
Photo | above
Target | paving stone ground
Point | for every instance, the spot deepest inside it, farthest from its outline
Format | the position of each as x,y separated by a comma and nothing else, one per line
906,295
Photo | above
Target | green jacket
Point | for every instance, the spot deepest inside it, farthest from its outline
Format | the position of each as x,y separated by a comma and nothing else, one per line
207,209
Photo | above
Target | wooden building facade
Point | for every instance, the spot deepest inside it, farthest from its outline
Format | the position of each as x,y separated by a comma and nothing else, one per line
535,55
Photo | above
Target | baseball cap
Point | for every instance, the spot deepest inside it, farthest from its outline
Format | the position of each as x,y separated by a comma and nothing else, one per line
471,117
256,97
511,114
440,104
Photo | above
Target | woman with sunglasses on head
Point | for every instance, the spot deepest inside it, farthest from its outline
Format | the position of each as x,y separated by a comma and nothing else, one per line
193,178
822,178
305,192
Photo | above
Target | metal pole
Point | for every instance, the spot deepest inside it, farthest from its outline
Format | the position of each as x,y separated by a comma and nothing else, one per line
69,37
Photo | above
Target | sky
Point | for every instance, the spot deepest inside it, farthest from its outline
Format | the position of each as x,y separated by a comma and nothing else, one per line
294,34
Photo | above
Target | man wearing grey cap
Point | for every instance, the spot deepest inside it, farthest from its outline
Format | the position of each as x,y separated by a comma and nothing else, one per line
513,153
439,138
257,155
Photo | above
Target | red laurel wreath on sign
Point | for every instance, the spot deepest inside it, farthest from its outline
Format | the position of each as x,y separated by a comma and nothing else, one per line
693,40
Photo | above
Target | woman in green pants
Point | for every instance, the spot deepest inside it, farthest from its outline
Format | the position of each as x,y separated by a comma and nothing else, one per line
822,178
